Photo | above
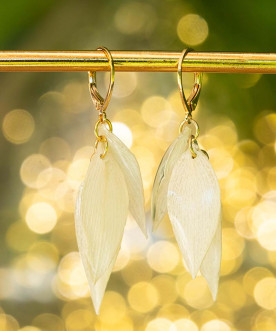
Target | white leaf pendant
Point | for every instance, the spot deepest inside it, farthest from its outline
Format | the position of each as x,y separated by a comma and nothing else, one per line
194,209
101,212
161,181
188,189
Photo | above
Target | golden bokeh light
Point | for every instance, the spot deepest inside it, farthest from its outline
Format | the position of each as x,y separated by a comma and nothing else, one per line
48,322
159,324
8,323
266,234
197,293
216,325
265,293
184,324
19,237
31,169
135,17
156,111
113,308
265,127
80,319
55,148
126,83
143,297
163,256
41,217
192,29
18,126
253,276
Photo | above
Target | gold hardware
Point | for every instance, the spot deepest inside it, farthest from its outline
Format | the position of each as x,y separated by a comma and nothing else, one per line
104,140
100,102
190,103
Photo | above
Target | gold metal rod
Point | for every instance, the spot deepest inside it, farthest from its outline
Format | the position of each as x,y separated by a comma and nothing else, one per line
137,61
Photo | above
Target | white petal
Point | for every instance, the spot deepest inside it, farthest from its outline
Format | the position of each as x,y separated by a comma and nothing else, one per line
210,266
130,168
194,207
101,213
162,178
96,289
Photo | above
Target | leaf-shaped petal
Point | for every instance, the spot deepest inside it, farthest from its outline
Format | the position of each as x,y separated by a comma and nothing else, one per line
194,207
162,178
210,266
130,168
96,289
101,213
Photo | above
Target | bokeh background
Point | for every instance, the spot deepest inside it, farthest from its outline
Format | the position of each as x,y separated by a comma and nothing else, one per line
46,140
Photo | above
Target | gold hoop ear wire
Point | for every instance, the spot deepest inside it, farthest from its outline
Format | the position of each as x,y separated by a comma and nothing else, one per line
100,102
191,103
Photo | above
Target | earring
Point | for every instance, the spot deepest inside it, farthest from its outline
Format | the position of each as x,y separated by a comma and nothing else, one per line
187,189
112,188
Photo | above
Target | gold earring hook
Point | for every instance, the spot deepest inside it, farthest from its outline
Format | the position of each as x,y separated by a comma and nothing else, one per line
100,102
190,103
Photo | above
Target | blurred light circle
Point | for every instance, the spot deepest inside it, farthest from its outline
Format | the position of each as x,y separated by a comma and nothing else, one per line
8,323
71,270
192,29
43,256
75,95
163,256
55,148
123,132
265,293
266,234
156,111
184,324
143,297
221,161
80,319
18,126
262,212
253,276
126,83
29,328
159,324
243,223
56,177
31,169
48,322
265,127
215,325
135,17
113,308
41,217
76,172
197,293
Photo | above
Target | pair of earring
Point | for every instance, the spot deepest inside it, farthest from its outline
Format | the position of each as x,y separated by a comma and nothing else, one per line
185,187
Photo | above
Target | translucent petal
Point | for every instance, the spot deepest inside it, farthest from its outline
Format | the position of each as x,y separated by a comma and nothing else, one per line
130,168
162,178
96,289
194,207
210,266
101,213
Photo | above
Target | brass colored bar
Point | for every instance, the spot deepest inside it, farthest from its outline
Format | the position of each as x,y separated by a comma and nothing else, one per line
137,61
